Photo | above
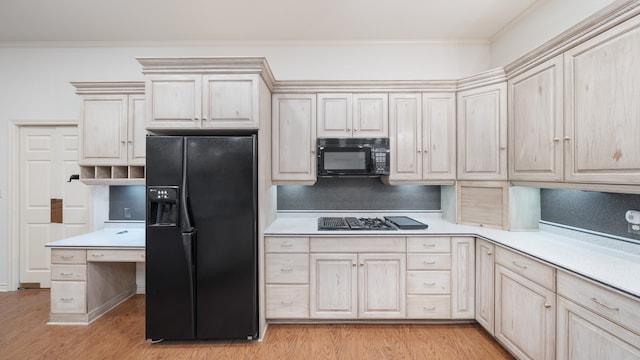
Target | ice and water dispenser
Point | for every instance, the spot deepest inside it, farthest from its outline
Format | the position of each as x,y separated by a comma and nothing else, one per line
163,206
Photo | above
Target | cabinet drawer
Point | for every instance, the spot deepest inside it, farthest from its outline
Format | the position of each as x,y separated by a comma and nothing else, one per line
527,267
287,301
432,244
429,306
351,244
116,255
287,268
428,282
63,256
286,244
68,297
607,303
428,262
69,272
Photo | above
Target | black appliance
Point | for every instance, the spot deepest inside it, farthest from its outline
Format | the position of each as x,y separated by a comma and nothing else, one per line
201,238
354,223
353,157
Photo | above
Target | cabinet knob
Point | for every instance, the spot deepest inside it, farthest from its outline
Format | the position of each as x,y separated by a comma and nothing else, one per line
426,151
567,138
419,150
547,305
354,264
313,151
503,148
556,139
489,253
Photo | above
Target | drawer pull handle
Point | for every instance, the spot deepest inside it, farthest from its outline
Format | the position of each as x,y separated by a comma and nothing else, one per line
287,269
286,303
518,265
66,257
429,284
429,245
66,274
595,300
286,245
429,262
97,256
66,300
429,308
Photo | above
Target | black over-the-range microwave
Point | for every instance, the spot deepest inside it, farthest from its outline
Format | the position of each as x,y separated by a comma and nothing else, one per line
353,157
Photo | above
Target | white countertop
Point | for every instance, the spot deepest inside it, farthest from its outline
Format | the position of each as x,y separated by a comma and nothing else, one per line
114,235
608,266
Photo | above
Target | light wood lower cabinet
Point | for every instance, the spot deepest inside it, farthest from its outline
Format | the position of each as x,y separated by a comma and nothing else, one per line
287,277
595,322
485,284
525,308
350,286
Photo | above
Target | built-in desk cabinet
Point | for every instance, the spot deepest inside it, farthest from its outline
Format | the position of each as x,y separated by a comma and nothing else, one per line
344,115
112,132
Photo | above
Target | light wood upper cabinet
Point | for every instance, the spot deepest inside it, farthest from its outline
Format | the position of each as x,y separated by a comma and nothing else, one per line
422,137
602,107
203,101
536,123
482,133
353,115
294,138
112,132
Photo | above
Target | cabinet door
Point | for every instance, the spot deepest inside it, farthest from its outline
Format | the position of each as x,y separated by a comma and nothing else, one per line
333,287
294,138
174,101
382,286
462,278
370,115
136,142
585,335
439,136
230,102
103,130
482,133
405,136
536,123
334,115
525,316
602,88
484,284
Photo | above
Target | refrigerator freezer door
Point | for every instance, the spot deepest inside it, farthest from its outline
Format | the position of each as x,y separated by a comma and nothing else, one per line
169,292
222,183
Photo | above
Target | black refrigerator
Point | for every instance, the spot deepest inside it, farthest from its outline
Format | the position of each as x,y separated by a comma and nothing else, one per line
201,238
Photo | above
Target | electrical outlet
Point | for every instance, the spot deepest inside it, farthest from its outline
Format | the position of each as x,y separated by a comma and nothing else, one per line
633,220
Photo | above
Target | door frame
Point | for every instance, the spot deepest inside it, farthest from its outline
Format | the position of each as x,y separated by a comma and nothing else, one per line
13,219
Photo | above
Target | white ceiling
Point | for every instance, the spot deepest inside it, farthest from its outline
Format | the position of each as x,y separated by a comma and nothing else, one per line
256,20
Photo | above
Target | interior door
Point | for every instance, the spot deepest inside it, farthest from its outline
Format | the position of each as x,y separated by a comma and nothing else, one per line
50,207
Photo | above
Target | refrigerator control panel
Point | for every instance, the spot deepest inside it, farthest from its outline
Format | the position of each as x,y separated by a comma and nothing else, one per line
164,193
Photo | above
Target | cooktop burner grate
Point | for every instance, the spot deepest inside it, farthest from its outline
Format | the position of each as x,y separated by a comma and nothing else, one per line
332,223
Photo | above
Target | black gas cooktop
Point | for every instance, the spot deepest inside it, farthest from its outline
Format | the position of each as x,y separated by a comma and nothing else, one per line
354,223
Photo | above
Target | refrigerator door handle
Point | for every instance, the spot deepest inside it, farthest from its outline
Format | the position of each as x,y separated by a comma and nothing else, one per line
188,244
185,214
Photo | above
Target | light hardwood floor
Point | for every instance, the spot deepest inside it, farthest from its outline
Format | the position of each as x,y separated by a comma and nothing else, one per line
120,335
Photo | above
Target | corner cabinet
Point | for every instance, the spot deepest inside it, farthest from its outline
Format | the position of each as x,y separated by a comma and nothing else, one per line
482,130
602,108
525,301
536,134
112,132
353,115
293,138
422,137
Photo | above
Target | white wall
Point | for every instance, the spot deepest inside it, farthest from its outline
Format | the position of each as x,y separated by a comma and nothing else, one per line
539,24
34,81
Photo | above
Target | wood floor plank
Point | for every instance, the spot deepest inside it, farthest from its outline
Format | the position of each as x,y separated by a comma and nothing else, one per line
120,335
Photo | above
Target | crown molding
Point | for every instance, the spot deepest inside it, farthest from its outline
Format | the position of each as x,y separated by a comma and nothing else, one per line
111,87
490,77
346,86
